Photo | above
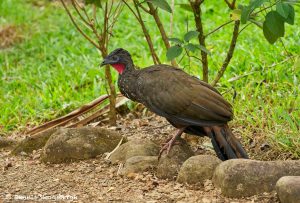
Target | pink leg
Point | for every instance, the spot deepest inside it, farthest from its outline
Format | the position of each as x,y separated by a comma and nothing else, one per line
170,143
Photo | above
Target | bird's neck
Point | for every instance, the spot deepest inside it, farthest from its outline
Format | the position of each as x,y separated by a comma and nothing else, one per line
127,82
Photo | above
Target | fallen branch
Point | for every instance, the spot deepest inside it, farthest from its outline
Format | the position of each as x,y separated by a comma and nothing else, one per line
65,119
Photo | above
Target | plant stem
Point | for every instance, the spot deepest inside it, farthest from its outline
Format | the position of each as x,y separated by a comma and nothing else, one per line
229,55
112,95
161,28
201,37
213,31
145,31
77,27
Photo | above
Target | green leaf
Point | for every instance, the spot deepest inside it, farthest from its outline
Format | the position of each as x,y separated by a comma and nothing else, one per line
95,2
245,14
173,52
190,35
191,47
291,16
256,3
194,47
163,4
283,9
186,7
203,49
247,10
176,40
269,35
275,24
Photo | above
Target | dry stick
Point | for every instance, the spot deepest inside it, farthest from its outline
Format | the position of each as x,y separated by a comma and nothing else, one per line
112,96
147,35
201,37
230,5
216,29
172,17
75,4
64,119
145,31
77,27
229,55
161,28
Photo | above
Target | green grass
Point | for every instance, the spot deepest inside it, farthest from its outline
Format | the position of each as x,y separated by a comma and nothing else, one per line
55,70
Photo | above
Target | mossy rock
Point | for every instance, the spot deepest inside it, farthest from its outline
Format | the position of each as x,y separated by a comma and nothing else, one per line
34,142
73,144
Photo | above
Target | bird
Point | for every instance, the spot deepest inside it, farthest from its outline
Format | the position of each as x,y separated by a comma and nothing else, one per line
189,104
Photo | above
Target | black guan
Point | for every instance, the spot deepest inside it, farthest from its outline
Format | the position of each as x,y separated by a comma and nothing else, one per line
189,104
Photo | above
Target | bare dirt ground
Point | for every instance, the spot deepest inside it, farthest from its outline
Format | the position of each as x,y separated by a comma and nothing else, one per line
25,178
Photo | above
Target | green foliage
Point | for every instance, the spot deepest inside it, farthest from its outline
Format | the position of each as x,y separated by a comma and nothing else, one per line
190,35
163,4
174,52
273,25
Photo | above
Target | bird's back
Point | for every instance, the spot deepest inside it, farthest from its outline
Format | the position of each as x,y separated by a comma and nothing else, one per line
181,98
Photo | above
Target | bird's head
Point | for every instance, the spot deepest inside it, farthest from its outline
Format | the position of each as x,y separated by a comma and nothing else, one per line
120,59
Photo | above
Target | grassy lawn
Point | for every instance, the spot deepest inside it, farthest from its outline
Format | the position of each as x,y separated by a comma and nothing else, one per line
54,69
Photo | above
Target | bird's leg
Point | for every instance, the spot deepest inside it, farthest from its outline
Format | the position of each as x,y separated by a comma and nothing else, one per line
167,146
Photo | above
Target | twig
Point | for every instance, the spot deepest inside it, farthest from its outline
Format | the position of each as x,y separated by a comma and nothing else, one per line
286,51
230,5
244,27
144,8
235,35
112,96
77,27
110,153
201,37
75,4
161,28
145,31
172,18
219,28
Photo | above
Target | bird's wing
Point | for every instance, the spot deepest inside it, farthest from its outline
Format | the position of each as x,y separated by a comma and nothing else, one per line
182,98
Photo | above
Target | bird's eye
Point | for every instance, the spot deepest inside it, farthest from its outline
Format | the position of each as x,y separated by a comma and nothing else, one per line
115,58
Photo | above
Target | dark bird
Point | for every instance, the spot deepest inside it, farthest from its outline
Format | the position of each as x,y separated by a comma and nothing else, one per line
189,104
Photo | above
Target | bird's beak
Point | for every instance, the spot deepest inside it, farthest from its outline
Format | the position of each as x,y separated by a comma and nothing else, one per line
106,61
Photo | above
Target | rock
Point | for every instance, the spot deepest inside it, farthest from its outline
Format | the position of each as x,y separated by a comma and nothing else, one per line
137,164
71,144
7,142
34,142
243,177
169,165
288,189
134,148
197,169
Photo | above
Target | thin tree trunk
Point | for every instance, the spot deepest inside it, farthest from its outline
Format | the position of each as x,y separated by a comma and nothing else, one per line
161,28
201,37
229,55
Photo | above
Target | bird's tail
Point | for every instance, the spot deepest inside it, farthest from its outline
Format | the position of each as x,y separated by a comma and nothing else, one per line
225,143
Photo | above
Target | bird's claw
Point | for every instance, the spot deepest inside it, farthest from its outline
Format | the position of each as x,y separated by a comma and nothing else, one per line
167,146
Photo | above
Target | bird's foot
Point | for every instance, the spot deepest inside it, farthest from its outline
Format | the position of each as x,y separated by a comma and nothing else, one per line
167,146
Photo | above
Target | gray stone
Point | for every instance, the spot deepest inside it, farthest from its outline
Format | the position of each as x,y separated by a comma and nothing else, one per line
134,148
288,189
138,164
169,164
34,142
197,169
72,144
244,177
7,142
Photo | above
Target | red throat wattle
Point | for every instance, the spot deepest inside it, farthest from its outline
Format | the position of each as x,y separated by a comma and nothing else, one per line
119,67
